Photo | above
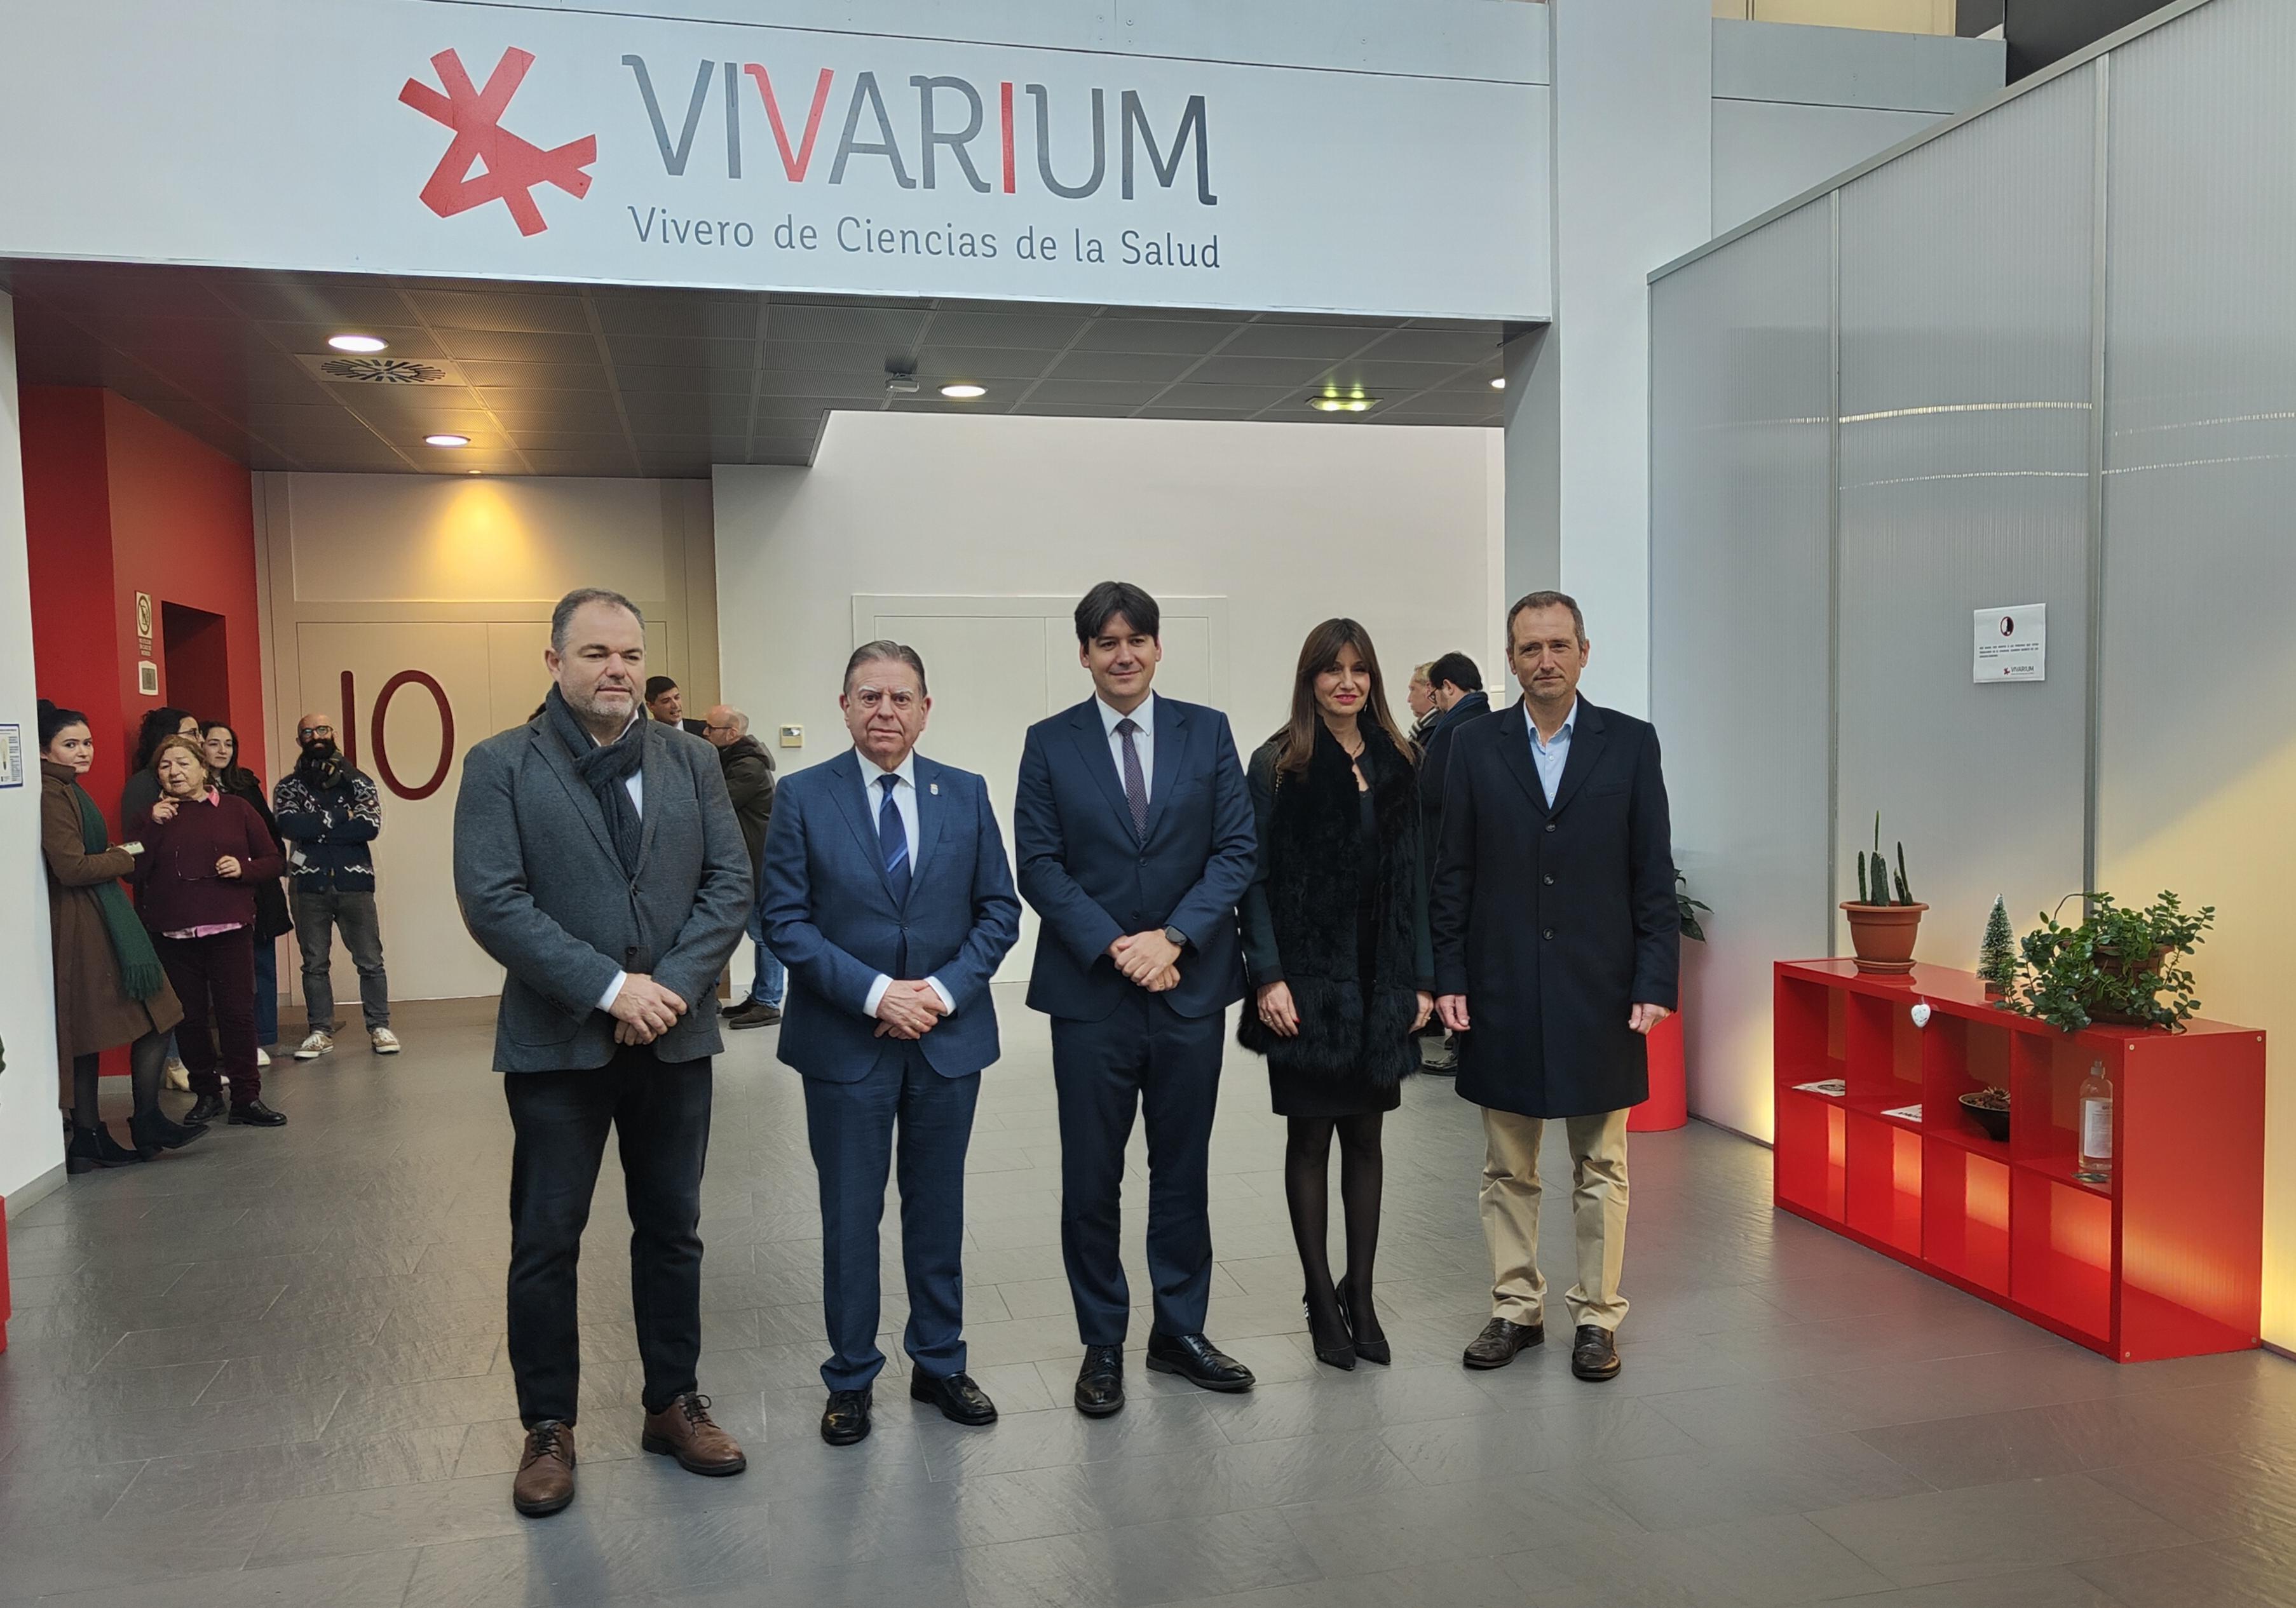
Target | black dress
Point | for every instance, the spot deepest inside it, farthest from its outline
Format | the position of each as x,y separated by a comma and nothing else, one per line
1361,865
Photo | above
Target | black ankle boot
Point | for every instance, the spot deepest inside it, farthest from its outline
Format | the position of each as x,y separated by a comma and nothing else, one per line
207,1108
94,1148
153,1132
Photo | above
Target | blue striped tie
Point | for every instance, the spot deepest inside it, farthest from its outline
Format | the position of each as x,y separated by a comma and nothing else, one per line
893,840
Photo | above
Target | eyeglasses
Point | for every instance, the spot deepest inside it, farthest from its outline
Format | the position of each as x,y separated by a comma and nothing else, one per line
308,733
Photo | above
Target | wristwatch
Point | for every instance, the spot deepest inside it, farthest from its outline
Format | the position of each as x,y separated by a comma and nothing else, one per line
1176,937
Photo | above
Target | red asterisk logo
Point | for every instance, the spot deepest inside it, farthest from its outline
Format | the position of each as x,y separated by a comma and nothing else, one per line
514,166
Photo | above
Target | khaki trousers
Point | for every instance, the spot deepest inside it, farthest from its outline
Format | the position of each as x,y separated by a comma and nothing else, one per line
1598,1215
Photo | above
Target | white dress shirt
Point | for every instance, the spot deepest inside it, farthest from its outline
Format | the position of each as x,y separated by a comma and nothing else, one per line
905,800
1550,755
635,782
1144,741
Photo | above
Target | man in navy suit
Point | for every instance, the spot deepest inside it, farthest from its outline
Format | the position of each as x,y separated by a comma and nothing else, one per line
887,895
1134,832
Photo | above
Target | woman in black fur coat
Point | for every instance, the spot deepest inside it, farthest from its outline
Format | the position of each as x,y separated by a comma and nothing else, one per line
1335,941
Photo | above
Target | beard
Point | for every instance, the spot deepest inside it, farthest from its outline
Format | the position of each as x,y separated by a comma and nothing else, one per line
321,764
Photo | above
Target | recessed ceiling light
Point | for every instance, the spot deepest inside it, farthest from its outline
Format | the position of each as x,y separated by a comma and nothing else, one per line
356,343
1356,403
446,441
965,393
1499,384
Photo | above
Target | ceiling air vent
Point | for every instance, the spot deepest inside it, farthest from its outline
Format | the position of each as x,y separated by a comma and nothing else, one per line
338,369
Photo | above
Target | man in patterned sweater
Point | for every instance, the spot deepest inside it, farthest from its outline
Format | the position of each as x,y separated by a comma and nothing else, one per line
330,813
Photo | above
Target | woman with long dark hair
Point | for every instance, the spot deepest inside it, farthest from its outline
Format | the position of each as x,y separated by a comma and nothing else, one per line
220,743
110,987
1335,942
196,888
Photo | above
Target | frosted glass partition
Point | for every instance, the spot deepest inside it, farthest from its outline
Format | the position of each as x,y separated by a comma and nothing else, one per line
1965,421
2197,749
1742,379
2064,373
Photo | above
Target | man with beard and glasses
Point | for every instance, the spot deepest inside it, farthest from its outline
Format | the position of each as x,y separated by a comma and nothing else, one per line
598,859
330,813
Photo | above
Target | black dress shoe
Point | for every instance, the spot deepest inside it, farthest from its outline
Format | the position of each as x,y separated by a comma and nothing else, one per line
960,1400
255,1114
1199,1361
1500,1340
207,1108
1333,1351
1595,1354
1100,1381
846,1419
1371,1351
753,1015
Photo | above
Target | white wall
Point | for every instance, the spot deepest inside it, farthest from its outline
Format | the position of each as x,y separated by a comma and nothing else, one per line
31,1143
454,577
1291,524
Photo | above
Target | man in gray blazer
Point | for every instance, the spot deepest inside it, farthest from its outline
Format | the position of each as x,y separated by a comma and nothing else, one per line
597,857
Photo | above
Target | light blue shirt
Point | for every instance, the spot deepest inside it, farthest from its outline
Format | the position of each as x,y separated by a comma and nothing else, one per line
905,804
1551,757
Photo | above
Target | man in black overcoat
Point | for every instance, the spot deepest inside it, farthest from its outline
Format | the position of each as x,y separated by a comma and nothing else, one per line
1556,949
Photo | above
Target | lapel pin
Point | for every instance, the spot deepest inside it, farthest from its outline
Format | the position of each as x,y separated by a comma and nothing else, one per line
934,789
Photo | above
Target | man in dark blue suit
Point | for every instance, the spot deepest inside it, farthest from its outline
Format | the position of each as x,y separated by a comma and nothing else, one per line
1134,832
886,895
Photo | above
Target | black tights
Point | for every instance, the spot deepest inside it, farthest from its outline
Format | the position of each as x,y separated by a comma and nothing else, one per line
147,1058
1307,1165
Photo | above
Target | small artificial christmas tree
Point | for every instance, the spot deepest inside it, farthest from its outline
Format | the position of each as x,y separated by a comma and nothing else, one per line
1996,958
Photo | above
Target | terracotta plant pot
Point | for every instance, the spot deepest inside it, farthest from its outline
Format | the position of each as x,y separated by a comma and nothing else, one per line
1883,935
2108,960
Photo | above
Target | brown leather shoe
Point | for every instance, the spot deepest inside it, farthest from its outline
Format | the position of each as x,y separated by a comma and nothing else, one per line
546,1473
682,1430
1500,1340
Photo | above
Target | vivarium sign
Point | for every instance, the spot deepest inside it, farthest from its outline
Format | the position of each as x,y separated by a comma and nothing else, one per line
538,143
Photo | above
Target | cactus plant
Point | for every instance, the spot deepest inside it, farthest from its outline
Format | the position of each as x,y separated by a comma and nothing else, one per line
1874,874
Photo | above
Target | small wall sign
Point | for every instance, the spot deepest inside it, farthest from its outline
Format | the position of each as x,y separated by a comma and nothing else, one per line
11,756
147,679
2013,644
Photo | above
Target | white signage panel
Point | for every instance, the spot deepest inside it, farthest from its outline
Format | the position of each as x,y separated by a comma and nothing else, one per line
2013,644
501,141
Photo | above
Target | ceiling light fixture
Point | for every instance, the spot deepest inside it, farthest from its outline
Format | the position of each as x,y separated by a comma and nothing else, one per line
1499,384
356,343
1332,401
963,393
446,441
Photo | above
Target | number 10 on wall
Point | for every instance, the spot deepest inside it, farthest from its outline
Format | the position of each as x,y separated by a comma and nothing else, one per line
383,772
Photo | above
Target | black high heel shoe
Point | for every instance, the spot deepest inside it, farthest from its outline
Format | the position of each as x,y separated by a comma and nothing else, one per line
1369,1351
1340,1354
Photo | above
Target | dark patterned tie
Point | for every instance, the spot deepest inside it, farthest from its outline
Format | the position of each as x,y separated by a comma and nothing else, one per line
1135,784
893,840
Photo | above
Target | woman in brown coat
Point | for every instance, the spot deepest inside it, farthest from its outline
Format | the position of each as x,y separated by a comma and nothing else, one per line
110,987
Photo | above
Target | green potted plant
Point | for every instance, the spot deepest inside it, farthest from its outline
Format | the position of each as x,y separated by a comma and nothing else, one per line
1882,928
1997,956
1689,907
2116,966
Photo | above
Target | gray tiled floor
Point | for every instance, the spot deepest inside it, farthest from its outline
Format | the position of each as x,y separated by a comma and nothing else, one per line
270,1371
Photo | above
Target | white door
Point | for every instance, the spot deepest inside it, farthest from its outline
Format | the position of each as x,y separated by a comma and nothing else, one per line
996,666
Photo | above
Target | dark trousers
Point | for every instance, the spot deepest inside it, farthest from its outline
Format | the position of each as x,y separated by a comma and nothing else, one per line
659,1110
267,991
1149,1056
318,915
853,1128
215,978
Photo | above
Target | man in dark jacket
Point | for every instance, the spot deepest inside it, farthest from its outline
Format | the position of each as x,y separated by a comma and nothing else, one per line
597,858
331,814
1556,941
749,770
1456,688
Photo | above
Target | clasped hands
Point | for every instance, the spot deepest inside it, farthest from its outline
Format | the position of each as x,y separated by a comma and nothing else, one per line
1453,1010
1280,1013
909,1010
644,1010
1149,959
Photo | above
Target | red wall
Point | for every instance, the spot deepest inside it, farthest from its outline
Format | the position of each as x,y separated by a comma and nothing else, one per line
119,502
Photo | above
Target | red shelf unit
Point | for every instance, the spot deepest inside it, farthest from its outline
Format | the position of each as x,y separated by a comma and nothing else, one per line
2167,1261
